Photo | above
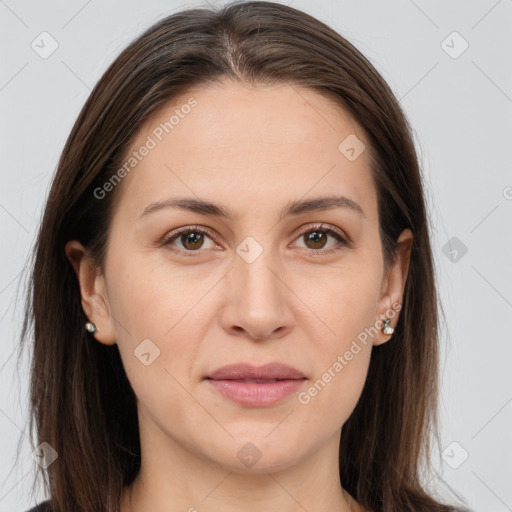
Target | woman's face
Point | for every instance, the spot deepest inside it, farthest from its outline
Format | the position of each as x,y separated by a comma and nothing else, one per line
262,285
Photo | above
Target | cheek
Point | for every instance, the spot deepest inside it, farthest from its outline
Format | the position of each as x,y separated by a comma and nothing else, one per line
157,309
346,300
347,304
327,403
148,296
337,384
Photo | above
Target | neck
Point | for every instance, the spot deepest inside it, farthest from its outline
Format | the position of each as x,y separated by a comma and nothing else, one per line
171,478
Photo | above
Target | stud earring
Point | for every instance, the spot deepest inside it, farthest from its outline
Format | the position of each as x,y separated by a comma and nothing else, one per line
386,328
90,327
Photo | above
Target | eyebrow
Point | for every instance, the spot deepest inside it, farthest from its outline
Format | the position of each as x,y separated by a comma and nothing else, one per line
292,209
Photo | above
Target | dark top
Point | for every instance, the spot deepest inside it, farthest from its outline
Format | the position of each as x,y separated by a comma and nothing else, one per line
44,506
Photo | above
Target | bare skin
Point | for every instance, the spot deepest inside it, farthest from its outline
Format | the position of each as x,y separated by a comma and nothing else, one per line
254,150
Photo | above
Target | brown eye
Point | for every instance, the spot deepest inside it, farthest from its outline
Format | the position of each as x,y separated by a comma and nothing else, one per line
316,238
191,240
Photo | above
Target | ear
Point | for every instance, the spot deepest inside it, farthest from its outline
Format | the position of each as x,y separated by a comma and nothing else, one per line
393,286
92,291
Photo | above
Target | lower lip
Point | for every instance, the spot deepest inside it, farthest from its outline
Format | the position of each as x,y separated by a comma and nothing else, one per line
256,394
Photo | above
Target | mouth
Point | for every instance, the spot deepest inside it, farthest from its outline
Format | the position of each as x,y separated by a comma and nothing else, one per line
256,386
247,372
254,380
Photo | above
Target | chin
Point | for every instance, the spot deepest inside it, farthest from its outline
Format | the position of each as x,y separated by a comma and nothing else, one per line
258,456
261,467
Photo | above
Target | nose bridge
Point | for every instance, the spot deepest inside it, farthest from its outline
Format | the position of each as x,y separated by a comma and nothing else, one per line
257,295
256,268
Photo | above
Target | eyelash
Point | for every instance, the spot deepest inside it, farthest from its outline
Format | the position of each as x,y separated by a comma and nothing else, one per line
342,242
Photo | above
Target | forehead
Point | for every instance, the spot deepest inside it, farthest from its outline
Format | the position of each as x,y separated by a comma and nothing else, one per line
247,146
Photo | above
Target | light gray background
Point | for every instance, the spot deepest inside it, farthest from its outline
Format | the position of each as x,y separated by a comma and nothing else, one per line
461,112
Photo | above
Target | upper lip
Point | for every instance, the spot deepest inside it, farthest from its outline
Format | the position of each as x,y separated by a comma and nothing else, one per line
246,371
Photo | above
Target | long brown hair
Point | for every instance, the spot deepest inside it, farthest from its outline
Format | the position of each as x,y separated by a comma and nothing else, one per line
81,400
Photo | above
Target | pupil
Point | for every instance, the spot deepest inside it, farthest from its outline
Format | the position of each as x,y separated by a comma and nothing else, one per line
317,238
192,238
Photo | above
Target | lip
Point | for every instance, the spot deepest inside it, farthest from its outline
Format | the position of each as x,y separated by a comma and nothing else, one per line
269,384
239,371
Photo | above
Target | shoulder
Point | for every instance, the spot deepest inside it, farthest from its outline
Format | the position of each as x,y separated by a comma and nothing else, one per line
44,506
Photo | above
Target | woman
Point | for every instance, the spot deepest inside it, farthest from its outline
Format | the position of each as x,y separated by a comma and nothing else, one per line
232,292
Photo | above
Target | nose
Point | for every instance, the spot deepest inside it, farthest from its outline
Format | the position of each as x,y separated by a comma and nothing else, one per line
258,300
